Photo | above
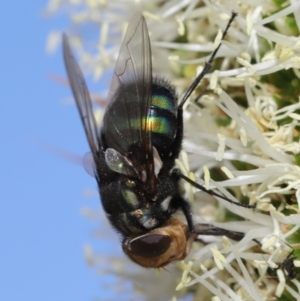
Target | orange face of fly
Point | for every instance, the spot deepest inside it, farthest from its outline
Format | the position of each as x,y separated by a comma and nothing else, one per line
159,247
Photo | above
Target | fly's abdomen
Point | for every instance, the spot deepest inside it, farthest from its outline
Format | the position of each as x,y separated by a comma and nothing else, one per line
124,119
163,115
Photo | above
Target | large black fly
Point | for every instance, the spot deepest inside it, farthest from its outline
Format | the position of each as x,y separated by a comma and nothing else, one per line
134,152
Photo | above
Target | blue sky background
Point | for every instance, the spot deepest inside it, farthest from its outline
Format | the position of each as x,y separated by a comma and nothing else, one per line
41,230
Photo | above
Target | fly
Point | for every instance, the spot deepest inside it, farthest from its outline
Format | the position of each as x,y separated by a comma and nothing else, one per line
134,153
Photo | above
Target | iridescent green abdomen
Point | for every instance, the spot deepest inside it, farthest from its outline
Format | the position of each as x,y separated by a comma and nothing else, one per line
163,116
160,118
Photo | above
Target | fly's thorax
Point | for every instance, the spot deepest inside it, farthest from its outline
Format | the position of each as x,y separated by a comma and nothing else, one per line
160,246
131,210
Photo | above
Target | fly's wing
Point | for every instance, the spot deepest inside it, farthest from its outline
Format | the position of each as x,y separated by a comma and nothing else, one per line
127,123
82,97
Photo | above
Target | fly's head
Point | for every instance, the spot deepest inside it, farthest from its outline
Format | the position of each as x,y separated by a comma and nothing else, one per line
160,246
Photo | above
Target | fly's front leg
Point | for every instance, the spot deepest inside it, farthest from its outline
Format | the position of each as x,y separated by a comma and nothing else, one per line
207,229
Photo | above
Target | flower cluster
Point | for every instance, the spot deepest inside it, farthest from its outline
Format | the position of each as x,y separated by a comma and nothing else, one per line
241,135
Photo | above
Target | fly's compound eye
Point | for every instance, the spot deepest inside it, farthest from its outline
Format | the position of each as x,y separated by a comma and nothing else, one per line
130,183
150,245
